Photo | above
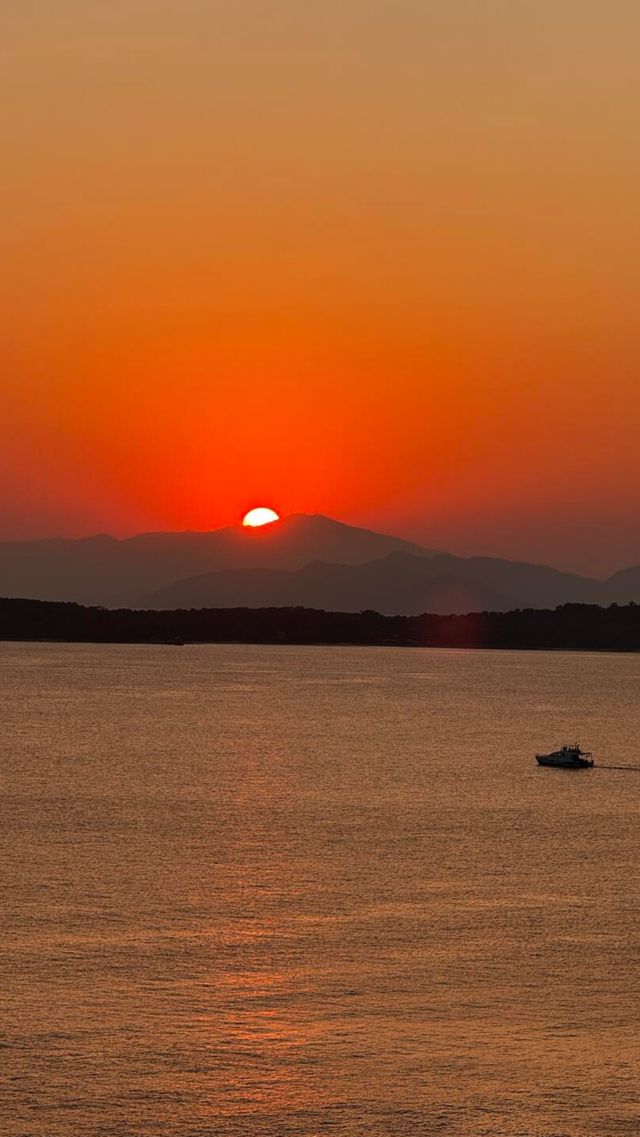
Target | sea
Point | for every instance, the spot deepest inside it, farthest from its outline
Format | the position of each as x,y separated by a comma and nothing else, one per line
308,891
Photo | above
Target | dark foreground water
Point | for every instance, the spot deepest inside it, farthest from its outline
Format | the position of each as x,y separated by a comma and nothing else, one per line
308,891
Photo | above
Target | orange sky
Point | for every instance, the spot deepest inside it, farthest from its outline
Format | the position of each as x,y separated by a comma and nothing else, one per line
372,259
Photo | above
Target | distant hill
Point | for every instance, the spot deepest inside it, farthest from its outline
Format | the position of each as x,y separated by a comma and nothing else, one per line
308,560
398,584
623,587
104,570
535,586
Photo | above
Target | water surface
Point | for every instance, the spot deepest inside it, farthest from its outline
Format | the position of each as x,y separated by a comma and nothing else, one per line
307,891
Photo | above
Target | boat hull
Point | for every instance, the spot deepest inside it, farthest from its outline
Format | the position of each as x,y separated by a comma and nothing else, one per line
564,763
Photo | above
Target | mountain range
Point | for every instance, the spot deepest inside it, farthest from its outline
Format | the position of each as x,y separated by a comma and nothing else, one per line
311,561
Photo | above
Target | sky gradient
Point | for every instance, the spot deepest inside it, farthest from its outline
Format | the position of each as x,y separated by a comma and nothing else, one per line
376,260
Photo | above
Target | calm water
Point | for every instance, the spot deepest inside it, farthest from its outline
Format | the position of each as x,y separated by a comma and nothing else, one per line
317,891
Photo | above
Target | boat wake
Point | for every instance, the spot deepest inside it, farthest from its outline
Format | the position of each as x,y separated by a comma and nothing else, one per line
600,766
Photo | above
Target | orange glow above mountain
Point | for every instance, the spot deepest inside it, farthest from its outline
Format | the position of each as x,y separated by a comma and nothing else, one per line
369,260
256,518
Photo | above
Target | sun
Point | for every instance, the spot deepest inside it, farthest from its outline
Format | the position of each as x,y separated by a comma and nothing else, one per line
261,516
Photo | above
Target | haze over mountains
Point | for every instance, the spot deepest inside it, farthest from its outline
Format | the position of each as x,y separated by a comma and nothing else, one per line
311,561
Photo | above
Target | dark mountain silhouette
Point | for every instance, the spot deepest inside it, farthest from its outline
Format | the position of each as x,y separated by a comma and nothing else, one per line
623,587
104,570
300,560
535,586
396,584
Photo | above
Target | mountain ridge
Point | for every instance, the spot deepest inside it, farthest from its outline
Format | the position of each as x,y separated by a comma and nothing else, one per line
397,584
111,571
143,569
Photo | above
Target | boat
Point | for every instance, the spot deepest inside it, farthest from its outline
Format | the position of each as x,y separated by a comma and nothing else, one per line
566,758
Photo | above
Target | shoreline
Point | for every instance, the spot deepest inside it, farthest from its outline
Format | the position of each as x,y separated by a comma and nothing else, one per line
326,643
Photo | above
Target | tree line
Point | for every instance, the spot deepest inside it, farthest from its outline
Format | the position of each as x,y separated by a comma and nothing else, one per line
570,627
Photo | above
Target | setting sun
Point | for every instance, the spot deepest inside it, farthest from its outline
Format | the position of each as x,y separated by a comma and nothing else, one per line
261,516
